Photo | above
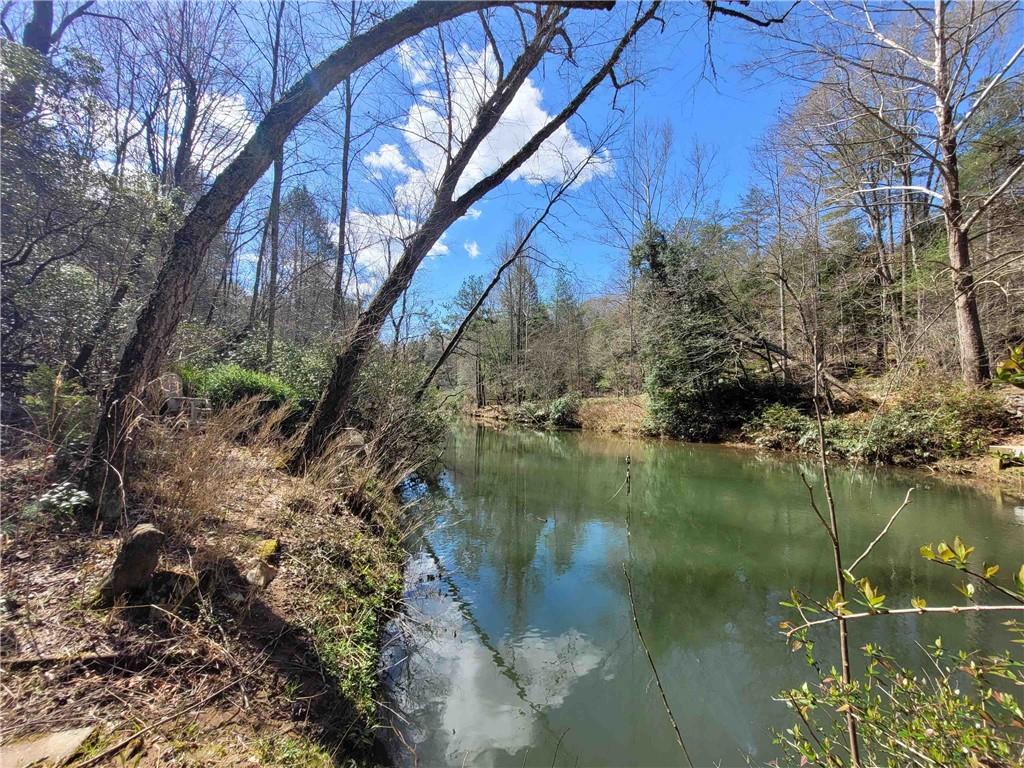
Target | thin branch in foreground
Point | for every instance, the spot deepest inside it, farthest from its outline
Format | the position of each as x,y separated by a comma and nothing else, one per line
898,611
885,530
654,669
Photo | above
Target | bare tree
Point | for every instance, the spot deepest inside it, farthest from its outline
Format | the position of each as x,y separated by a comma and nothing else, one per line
957,55
447,207
140,362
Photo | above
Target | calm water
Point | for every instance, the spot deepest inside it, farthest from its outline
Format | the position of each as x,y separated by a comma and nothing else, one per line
520,638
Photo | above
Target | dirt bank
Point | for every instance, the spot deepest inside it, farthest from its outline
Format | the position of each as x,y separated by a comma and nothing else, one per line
206,667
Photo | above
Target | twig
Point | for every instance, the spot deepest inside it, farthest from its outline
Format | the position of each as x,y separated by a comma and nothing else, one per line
884,531
557,745
126,741
654,669
897,611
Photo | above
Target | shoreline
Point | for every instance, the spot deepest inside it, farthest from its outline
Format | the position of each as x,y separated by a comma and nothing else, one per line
623,417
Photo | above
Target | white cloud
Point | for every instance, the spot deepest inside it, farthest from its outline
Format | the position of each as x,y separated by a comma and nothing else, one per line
425,132
223,127
377,240
472,248
474,213
388,157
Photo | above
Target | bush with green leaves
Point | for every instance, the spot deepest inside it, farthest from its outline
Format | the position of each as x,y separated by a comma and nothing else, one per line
778,427
923,424
62,411
60,500
961,710
1011,370
958,714
228,384
565,411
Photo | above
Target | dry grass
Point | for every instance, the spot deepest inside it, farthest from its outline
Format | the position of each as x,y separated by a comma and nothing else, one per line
281,674
619,415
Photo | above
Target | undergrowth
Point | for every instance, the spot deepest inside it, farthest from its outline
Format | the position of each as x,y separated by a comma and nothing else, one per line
921,424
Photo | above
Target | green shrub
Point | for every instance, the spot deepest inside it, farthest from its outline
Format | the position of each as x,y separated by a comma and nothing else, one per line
923,424
1011,370
228,384
565,411
707,415
60,500
62,411
778,427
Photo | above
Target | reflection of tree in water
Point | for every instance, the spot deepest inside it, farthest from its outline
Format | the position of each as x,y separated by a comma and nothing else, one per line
534,530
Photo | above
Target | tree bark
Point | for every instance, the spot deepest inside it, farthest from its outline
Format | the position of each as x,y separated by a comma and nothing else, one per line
275,254
338,302
259,271
974,365
145,351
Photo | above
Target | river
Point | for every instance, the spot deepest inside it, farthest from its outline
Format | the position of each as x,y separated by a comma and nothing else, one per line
519,646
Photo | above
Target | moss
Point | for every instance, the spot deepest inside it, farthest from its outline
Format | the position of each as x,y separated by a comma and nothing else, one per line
269,550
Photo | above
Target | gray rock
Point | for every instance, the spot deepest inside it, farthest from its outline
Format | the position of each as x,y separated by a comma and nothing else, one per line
54,748
134,565
261,574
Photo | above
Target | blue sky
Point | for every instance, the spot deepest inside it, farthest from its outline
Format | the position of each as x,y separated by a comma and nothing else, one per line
727,114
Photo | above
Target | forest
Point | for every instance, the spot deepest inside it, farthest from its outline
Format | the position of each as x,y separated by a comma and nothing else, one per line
261,260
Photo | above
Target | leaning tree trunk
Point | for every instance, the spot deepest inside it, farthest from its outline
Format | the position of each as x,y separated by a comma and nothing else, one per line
144,353
337,396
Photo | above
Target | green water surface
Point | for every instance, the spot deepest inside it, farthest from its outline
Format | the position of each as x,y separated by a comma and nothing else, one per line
520,647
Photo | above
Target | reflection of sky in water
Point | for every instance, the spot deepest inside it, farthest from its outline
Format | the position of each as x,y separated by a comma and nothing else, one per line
520,636
476,699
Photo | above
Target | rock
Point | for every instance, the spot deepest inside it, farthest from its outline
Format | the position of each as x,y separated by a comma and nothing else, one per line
134,565
261,574
351,438
54,748
161,391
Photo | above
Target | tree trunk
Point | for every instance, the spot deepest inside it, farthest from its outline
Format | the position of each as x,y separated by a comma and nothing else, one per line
275,253
973,356
144,353
338,301
20,98
259,271
337,396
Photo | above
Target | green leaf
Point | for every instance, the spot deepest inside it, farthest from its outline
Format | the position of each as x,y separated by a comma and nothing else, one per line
918,602
991,570
944,552
928,554
962,550
966,589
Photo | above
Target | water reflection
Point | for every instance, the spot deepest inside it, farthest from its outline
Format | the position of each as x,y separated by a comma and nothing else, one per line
522,650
